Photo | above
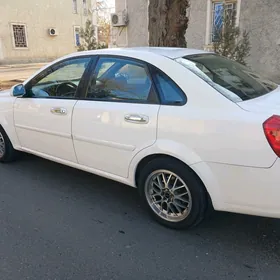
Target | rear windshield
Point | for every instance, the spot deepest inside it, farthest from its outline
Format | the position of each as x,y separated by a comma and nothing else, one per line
235,81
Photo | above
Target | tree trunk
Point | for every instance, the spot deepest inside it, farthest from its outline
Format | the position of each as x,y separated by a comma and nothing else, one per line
168,23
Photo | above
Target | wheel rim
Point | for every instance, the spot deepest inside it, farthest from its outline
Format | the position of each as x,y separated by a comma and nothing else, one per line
2,145
168,195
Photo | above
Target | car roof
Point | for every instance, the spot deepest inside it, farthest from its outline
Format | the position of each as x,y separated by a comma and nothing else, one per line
169,52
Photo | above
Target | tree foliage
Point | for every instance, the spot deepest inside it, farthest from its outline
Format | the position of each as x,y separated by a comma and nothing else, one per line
230,42
168,23
88,38
104,31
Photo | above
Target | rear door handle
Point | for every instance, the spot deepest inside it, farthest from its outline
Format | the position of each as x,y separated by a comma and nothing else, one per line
136,119
58,111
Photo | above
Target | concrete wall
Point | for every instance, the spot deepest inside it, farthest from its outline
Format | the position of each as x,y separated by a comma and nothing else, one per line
136,33
196,32
38,16
262,19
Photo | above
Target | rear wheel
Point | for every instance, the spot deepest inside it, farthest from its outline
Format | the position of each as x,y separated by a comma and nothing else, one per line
7,152
172,193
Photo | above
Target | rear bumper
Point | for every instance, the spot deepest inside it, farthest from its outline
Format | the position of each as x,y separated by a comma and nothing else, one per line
245,190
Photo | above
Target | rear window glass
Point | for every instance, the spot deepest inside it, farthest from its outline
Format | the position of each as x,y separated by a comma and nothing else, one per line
235,81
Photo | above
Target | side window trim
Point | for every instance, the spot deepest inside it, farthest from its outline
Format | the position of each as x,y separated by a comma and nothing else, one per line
88,73
81,91
50,70
92,70
154,71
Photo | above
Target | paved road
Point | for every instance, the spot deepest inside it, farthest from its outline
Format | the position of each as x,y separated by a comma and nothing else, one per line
19,71
61,223
13,74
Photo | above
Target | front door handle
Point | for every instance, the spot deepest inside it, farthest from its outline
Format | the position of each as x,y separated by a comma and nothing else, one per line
136,119
58,111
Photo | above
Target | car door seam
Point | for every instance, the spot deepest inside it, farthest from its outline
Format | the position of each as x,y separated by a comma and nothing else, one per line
72,137
152,144
14,123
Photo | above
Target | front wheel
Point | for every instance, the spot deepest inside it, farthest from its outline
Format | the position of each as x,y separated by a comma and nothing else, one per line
173,194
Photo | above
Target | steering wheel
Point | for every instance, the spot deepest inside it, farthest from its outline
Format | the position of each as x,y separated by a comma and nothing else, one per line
66,89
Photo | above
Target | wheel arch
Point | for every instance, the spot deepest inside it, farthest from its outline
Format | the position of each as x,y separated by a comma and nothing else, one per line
3,128
7,120
151,157
201,171
11,134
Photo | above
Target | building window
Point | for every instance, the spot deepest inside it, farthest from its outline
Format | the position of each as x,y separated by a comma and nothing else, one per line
19,35
77,37
75,7
85,7
219,10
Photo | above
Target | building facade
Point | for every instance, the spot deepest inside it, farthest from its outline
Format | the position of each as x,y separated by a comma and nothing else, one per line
259,17
39,31
136,32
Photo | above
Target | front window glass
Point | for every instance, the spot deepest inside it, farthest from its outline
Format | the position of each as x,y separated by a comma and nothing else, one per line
235,81
60,80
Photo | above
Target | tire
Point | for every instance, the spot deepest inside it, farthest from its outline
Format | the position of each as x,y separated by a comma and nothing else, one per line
187,194
7,151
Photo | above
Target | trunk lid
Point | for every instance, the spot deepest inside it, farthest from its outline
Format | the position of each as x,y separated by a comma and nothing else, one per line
268,103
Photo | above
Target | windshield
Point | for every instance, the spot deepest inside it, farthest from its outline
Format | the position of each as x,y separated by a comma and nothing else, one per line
233,80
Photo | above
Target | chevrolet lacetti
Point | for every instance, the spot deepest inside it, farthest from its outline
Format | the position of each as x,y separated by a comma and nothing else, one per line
191,130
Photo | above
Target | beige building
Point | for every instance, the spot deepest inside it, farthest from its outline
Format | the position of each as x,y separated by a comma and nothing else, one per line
259,17
41,30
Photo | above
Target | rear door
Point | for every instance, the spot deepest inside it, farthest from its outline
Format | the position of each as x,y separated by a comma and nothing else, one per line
118,116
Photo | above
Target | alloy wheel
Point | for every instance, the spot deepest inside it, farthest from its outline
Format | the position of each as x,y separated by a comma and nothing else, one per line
168,195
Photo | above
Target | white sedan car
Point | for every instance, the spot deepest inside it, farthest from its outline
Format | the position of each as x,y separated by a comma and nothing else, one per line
189,129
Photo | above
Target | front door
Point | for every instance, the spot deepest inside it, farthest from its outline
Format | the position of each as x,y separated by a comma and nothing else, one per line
118,116
43,117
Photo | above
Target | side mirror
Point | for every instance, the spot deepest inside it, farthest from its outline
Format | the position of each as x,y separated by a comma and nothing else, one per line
18,90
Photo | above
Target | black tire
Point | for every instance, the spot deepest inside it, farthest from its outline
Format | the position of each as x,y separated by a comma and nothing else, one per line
199,201
10,154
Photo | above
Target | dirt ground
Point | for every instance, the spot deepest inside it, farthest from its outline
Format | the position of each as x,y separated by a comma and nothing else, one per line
14,74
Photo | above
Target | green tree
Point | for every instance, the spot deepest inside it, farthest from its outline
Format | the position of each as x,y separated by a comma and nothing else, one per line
104,30
87,35
88,38
230,42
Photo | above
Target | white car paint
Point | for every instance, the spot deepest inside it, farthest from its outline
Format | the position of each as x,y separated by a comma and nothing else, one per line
103,140
267,103
7,116
41,131
222,141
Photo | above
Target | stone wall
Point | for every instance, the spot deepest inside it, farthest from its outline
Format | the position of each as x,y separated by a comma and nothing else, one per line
196,32
261,18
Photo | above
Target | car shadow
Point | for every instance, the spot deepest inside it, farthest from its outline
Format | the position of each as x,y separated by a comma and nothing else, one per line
221,229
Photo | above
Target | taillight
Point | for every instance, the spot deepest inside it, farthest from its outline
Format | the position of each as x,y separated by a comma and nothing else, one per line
272,132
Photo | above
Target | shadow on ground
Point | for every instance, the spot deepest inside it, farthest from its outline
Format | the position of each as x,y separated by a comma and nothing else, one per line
227,246
262,231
